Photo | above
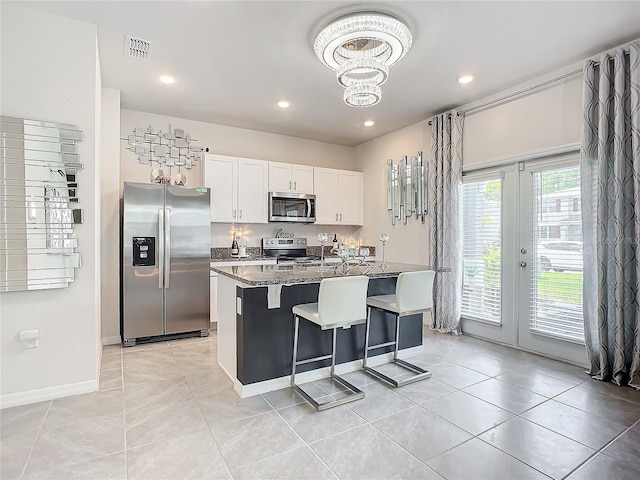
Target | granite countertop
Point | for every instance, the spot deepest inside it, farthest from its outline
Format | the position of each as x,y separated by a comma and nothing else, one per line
249,258
259,275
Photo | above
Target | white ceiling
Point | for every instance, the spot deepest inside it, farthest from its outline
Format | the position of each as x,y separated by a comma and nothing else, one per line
234,59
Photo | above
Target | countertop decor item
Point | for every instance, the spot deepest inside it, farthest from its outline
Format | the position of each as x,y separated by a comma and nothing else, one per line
169,149
322,238
384,238
361,47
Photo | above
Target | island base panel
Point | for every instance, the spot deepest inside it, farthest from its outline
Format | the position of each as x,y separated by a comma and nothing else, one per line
265,336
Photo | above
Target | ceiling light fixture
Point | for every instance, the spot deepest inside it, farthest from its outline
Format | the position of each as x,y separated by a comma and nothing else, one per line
361,47
465,78
283,104
369,123
168,79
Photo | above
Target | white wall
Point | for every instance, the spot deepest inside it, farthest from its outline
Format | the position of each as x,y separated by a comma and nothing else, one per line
238,142
241,143
110,215
49,72
407,243
544,120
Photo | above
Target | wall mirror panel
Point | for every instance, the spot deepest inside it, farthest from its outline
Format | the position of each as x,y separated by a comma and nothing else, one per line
38,204
407,188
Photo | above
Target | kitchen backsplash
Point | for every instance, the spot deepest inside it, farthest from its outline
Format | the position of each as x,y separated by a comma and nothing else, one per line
218,253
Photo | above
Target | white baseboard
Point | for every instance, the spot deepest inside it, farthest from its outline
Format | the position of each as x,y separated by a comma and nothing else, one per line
49,393
312,375
111,340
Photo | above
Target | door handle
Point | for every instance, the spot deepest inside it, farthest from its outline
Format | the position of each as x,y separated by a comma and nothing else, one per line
308,207
167,248
160,246
523,264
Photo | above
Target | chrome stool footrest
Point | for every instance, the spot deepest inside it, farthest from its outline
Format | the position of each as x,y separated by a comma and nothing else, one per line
353,394
420,373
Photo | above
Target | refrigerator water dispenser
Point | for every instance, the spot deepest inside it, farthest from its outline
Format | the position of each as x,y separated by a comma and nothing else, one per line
144,251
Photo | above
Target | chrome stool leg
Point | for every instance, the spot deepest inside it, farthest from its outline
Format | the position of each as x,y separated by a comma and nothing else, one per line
419,373
354,393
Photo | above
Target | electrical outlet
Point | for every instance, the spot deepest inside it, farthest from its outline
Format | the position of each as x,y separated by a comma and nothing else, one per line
29,338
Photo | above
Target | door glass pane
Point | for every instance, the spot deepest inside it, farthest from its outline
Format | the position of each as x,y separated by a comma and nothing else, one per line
556,273
482,229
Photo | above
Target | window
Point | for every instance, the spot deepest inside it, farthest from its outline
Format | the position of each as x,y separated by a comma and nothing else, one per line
482,249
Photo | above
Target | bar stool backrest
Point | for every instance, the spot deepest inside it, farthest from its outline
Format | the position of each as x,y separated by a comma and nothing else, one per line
343,300
414,291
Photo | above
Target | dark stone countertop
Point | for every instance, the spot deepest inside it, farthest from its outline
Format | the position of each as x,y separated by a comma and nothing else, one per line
260,275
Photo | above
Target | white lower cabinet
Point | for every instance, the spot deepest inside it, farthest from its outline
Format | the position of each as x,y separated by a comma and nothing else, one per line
338,196
213,284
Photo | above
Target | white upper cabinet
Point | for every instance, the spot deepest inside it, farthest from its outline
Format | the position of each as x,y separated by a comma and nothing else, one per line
350,197
338,196
221,176
253,191
290,178
239,189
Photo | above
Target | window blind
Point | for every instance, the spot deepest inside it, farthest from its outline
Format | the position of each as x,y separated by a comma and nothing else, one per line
555,306
482,248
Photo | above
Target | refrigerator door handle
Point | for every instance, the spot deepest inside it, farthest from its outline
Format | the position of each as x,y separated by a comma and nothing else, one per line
160,246
167,247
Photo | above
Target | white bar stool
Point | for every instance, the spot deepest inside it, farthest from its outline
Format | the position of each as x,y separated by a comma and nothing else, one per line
342,302
414,294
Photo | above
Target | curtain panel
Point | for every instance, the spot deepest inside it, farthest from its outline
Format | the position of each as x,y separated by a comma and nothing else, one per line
445,219
610,172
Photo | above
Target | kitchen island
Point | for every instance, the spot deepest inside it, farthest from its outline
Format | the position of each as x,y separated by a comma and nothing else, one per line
255,323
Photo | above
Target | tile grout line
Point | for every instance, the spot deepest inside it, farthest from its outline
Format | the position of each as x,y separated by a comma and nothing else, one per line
33,447
298,435
215,442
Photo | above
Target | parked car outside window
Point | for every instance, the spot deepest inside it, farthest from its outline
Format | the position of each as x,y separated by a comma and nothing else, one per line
560,255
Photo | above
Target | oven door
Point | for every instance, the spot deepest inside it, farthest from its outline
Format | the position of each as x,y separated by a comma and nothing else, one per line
292,207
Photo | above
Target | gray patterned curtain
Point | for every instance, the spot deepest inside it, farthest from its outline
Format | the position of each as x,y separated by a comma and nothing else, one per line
610,169
445,219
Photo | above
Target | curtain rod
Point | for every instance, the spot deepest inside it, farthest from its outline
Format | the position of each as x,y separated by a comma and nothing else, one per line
525,90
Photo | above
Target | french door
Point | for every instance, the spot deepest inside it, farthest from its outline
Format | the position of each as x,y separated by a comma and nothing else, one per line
523,257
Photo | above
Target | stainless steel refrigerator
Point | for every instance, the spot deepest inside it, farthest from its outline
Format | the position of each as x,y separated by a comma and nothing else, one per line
165,253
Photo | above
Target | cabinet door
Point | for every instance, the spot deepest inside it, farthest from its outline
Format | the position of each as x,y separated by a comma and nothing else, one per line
350,197
325,186
302,177
253,191
280,177
221,177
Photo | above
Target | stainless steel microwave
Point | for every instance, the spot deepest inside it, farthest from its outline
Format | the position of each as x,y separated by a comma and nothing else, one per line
292,207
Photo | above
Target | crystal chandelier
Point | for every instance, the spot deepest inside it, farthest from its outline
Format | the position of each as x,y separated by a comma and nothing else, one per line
361,47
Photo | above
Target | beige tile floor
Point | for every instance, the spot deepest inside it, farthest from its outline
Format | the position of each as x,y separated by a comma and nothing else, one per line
167,411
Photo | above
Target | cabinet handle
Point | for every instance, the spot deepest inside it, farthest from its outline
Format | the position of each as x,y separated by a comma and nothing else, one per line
240,213
234,213
340,217
294,186
336,217
290,185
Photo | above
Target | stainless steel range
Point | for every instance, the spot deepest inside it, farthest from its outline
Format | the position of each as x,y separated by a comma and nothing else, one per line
287,250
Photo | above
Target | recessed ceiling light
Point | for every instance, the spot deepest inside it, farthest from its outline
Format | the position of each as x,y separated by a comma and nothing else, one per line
369,123
283,104
465,78
168,79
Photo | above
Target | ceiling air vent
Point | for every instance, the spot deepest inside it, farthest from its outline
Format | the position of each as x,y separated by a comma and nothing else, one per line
137,48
